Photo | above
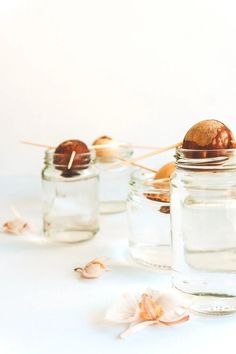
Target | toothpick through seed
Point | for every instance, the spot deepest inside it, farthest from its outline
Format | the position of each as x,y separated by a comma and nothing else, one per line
101,146
137,165
37,145
155,181
144,156
71,160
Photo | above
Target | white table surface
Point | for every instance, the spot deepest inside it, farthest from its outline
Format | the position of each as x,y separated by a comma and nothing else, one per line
46,308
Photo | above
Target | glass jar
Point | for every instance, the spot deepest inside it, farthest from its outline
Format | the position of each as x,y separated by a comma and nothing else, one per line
113,181
203,222
70,198
149,220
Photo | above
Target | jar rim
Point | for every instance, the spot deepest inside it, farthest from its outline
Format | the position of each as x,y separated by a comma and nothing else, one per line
81,160
144,181
203,159
206,150
117,150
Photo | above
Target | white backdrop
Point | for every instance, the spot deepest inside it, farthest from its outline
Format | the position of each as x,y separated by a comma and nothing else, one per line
138,70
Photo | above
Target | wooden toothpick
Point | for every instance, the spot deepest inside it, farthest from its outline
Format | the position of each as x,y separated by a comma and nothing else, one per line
101,146
72,156
37,145
157,180
137,165
144,156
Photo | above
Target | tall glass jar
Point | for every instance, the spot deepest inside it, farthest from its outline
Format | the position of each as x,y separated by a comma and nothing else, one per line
113,181
203,222
70,199
149,220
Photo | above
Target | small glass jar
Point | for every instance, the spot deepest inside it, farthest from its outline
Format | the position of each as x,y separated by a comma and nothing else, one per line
113,181
70,199
203,222
149,220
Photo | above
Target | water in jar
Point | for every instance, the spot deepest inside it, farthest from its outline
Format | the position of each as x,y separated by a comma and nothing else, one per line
149,239
113,187
204,241
70,208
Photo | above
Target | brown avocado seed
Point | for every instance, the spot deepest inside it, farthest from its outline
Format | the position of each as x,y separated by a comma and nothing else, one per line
208,135
105,154
163,197
62,156
165,171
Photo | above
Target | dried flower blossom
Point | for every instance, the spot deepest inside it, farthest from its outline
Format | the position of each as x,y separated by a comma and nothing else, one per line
151,308
93,269
16,226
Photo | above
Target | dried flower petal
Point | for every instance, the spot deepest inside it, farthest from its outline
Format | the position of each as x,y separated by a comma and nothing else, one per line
16,226
125,310
149,308
152,308
174,307
93,269
133,328
180,320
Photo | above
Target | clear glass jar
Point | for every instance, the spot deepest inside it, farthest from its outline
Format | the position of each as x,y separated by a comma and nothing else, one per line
149,220
203,222
70,199
113,182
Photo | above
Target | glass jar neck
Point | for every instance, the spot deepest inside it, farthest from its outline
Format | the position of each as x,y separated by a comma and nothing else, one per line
69,164
206,160
109,154
143,184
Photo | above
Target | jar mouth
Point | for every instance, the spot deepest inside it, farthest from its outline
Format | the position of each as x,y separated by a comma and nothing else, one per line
113,151
67,161
145,182
203,159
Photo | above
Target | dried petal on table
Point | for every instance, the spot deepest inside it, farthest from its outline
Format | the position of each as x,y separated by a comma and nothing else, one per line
152,307
93,269
17,226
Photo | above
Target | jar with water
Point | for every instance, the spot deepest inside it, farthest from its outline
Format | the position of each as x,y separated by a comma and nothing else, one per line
70,199
203,223
113,178
149,220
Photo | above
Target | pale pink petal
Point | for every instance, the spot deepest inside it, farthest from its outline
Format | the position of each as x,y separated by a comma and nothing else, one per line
172,311
174,307
91,271
180,320
155,294
134,328
125,310
16,226
103,260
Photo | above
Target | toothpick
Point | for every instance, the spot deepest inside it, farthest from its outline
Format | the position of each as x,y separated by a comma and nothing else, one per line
101,146
137,165
15,212
38,145
156,181
145,147
72,156
144,156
